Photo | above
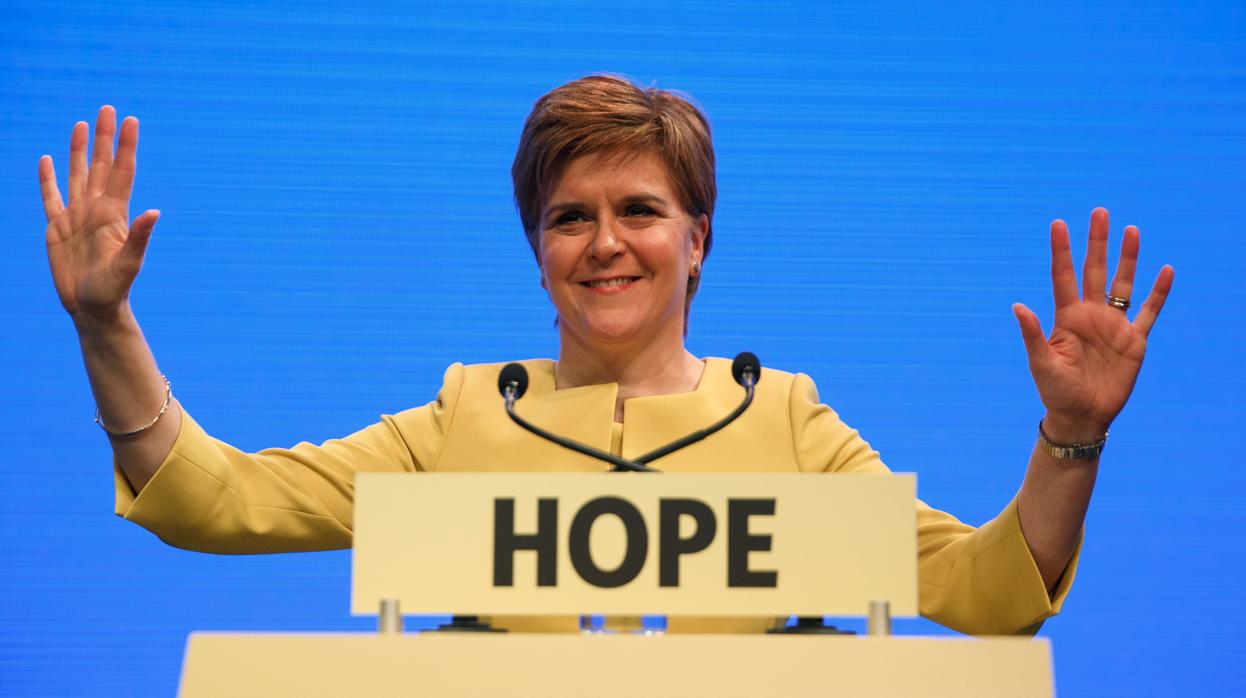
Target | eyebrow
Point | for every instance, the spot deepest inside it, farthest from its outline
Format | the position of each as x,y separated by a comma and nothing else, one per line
638,198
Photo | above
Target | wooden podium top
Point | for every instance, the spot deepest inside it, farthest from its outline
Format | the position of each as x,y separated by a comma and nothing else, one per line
626,666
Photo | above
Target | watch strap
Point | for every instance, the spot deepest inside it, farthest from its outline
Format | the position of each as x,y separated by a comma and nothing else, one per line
1070,451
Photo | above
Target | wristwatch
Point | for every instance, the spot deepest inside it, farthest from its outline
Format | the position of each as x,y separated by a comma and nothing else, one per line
1070,451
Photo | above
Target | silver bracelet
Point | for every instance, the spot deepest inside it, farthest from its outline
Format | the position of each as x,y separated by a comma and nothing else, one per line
168,394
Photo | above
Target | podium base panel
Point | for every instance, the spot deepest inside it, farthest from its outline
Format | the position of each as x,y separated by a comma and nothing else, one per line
515,664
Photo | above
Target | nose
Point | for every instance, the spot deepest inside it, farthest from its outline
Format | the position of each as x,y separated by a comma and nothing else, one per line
607,242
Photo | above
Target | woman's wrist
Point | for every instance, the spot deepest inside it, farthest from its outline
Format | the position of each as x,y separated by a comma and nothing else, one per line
97,327
1064,430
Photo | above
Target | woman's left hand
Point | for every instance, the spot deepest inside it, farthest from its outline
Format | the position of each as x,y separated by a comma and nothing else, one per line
1086,370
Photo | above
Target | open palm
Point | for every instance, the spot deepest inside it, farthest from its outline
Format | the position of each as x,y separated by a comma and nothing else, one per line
1087,368
94,251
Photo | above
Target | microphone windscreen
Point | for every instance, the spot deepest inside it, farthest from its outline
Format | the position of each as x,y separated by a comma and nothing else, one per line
745,361
516,374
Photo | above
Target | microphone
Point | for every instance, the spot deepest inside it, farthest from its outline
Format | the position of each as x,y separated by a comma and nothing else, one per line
513,383
746,363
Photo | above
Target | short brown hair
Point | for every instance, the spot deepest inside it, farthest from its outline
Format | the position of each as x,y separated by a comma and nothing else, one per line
611,114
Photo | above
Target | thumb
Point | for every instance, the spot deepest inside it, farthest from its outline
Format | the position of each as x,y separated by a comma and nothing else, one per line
135,247
1031,333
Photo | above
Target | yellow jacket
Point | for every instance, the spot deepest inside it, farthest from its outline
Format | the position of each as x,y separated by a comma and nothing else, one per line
212,497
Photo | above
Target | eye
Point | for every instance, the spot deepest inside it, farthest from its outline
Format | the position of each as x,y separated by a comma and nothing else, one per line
638,210
570,217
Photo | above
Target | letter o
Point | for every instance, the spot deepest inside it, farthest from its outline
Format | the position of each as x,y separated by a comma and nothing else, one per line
637,542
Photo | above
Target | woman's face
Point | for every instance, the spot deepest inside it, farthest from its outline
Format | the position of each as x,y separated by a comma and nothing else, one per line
616,251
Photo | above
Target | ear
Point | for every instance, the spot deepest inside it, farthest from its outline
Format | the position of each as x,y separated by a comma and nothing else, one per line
700,231
540,266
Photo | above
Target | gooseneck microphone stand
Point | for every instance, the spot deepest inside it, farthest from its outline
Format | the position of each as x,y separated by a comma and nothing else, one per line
513,383
747,370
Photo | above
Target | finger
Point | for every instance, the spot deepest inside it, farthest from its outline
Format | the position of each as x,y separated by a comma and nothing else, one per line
1155,300
121,175
1031,333
1063,278
101,150
1095,267
1123,281
78,161
135,247
52,204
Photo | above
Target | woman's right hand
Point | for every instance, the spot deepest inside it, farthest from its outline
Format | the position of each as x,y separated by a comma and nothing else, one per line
94,250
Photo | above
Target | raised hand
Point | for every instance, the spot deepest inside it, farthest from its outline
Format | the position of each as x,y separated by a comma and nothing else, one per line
1086,370
94,250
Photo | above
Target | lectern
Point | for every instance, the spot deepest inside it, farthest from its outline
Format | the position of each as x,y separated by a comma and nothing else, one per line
691,547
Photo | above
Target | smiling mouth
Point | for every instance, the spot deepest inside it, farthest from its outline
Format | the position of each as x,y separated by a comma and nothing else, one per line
616,282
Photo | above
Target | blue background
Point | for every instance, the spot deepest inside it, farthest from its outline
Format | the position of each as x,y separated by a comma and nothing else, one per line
338,227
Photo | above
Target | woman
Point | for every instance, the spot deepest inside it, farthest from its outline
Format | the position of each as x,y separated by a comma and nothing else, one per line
615,188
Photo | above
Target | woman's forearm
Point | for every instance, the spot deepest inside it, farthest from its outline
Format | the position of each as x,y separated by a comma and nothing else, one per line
129,393
1054,497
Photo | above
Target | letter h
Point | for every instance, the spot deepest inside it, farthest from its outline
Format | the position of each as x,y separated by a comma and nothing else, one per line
506,542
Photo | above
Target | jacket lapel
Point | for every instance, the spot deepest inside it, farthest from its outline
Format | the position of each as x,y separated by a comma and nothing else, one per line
654,421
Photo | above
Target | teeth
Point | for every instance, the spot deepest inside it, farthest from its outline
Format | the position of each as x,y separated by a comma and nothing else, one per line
608,283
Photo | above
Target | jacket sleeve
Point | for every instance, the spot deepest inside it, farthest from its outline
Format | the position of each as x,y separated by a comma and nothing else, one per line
981,581
212,497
